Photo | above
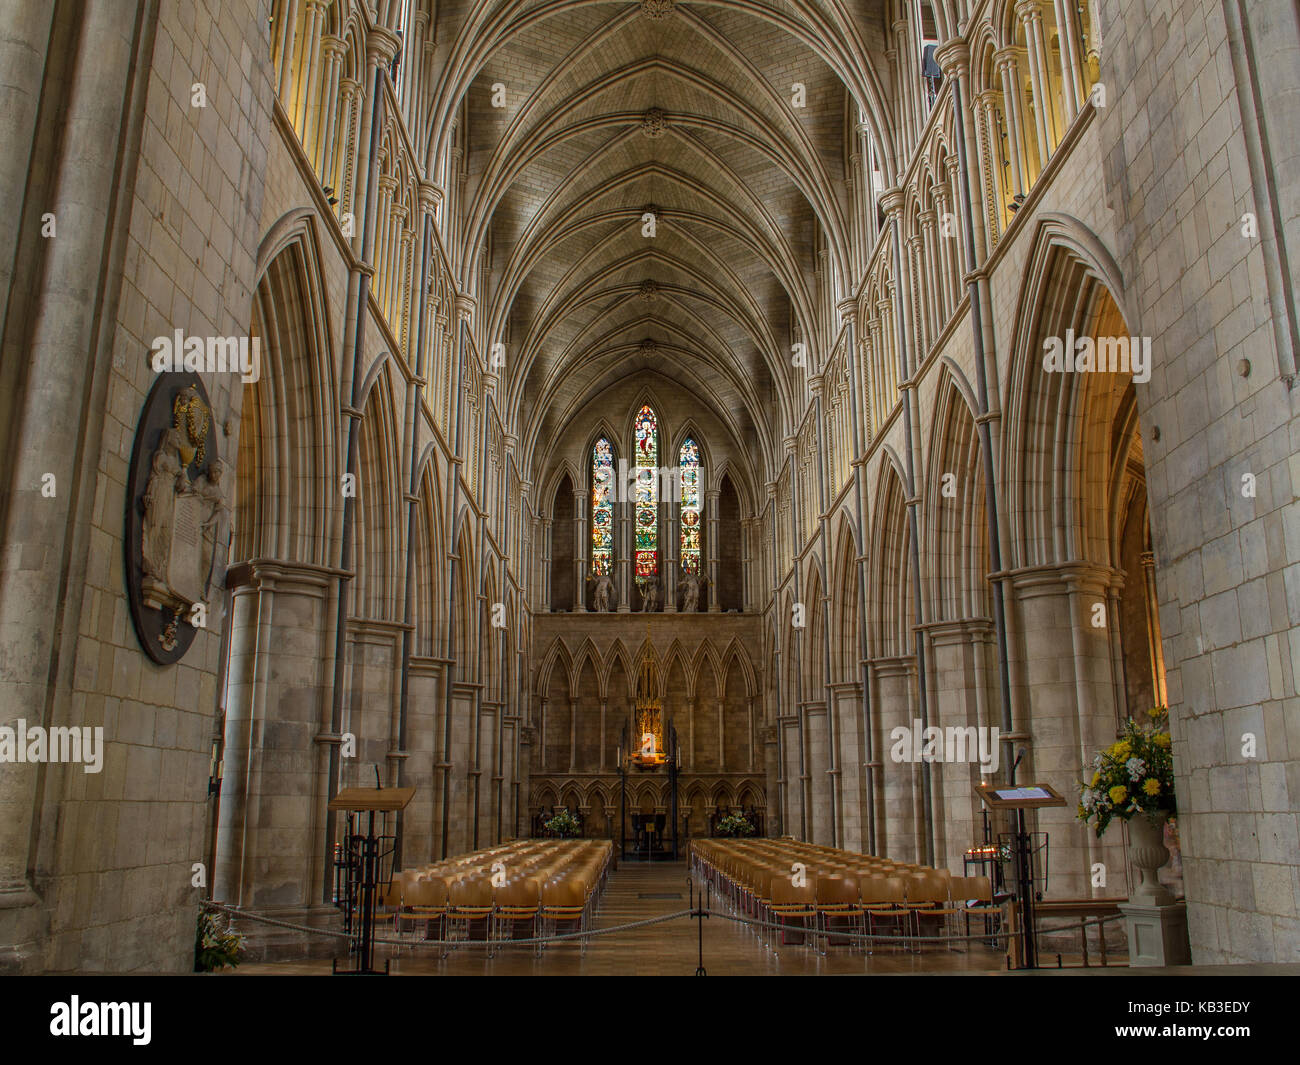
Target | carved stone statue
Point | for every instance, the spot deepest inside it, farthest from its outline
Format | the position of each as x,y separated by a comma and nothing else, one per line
649,594
216,520
691,585
167,480
604,592
183,528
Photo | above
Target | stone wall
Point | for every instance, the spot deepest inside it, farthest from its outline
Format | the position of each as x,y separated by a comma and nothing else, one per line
1189,157
156,202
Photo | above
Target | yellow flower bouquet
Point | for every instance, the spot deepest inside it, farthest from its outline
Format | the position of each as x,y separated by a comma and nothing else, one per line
1135,774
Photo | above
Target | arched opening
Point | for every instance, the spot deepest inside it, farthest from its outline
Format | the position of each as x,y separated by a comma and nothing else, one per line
1077,487
731,585
563,534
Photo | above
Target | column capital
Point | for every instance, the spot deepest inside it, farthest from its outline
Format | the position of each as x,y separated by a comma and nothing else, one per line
382,45
1008,57
465,306
953,57
891,200
430,196
1029,11
848,310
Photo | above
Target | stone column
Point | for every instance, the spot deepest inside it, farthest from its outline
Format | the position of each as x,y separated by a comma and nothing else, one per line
573,733
749,537
332,50
542,761
545,526
1031,14
310,116
283,46
343,162
711,547
946,233
1071,71
624,544
1007,67
604,712
922,333
871,230
936,278
47,539
580,551
669,532
1152,602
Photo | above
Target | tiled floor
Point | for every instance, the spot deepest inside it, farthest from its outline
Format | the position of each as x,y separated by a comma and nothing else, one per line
637,892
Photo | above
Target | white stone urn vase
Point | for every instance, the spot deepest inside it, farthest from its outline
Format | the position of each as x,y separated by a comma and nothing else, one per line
1148,853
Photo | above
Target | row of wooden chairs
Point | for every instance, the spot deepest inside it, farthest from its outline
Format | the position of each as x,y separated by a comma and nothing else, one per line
539,886
818,890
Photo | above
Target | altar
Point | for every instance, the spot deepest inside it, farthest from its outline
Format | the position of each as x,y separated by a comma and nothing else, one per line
655,750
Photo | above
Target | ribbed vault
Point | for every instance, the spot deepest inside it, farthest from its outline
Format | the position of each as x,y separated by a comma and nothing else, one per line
614,112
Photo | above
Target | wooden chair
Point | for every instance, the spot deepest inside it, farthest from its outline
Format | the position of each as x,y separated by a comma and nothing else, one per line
564,903
976,900
928,898
471,904
883,898
426,902
517,902
790,903
838,899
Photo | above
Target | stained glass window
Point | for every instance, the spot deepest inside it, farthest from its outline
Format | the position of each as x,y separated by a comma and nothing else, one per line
688,462
602,508
647,494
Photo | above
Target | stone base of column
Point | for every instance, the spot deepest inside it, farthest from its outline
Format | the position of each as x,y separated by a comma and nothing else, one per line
1157,935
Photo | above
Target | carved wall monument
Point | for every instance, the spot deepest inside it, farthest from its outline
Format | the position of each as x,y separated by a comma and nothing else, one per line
177,519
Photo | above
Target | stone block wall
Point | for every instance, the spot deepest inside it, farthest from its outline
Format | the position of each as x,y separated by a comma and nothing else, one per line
1201,92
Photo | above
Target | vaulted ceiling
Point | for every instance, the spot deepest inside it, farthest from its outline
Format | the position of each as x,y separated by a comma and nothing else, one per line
684,111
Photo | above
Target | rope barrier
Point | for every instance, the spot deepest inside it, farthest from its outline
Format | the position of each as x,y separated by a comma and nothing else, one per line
591,932
416,919
217,907
872,937
861,935
1082,924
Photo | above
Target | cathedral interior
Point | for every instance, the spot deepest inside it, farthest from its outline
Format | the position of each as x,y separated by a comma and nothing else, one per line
642,409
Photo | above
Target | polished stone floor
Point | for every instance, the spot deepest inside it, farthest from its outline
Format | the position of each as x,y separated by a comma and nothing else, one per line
638,892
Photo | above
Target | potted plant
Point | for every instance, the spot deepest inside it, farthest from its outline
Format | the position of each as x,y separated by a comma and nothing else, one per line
563,824
1133,780
734,825
215,947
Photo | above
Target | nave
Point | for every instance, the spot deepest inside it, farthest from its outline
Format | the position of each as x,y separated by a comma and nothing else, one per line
640,892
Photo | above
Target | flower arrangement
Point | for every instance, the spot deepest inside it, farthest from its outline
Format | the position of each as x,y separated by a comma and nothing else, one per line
734,825
563,824
215,947
1135,774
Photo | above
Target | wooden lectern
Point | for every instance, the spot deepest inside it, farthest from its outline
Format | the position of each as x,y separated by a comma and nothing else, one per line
366,854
